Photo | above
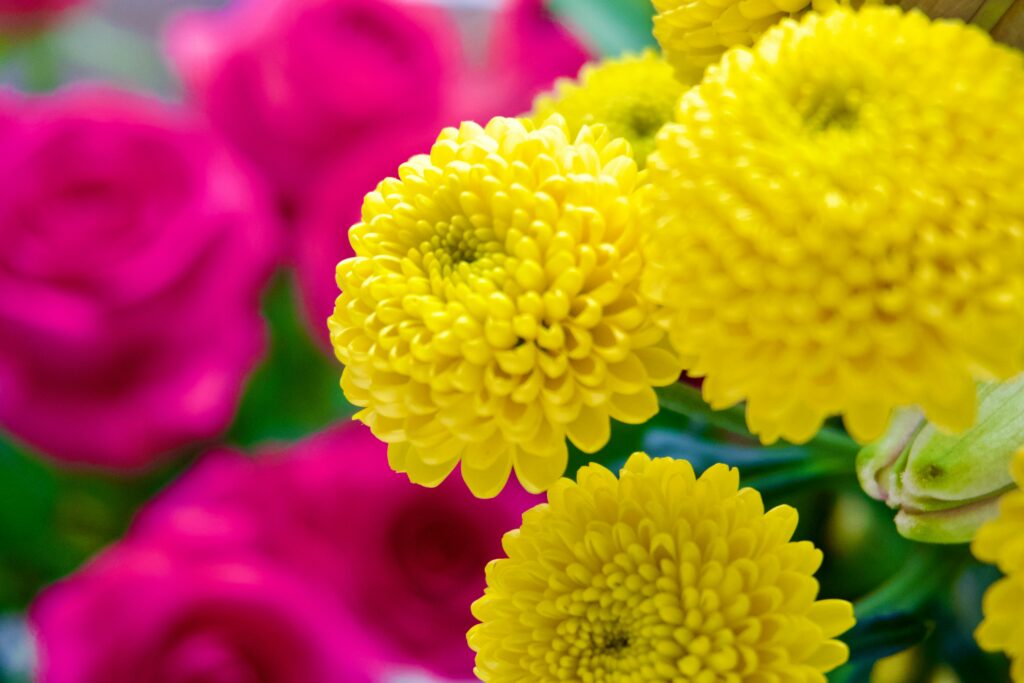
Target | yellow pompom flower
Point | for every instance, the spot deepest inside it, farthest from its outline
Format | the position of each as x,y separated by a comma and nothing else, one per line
656,576
1001,542
634,96
493,306
838,223
695,33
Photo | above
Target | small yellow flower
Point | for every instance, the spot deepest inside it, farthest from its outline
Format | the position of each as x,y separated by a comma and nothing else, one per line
838,222
1001,542
695,33
657,576
493,305
634,96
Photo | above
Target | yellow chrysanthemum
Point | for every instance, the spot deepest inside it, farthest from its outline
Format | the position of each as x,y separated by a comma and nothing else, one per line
493,305
657,576
695,33
838,222
1001,542
634,96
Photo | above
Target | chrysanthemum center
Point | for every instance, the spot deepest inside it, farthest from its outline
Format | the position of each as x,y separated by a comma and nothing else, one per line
645,119
830,111
603,651
458,242
615,643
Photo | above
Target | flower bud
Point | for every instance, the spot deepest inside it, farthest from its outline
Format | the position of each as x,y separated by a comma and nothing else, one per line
947,485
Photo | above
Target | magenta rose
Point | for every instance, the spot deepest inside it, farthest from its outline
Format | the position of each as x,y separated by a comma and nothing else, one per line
134,253
291,83
142,614
405,560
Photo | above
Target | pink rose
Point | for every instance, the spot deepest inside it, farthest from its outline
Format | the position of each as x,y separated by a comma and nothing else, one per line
406,561
291,83
140,614
134,255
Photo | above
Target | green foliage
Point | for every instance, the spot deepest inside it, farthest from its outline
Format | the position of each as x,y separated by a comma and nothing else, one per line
877,637
611,27
53,519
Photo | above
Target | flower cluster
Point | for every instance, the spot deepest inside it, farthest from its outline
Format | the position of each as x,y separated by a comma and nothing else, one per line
813,211
656,576
492,308
838,231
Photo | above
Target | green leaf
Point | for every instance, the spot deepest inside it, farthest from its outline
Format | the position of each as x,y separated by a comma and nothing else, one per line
52,520
878,637
611,27
701,449
686,400
787,480
928,571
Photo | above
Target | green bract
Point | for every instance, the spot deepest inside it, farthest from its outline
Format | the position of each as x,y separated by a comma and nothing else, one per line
946,485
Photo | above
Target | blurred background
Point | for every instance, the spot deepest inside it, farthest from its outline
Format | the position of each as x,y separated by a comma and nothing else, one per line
183,498
93,43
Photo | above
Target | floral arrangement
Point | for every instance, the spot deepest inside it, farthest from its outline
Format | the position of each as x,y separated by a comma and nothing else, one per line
679,341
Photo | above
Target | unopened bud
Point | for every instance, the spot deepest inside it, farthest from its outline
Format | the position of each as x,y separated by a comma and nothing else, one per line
945,486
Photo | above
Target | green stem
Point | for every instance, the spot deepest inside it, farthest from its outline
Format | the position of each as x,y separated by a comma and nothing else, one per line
683,399
990,13
927,573
686,400
790,479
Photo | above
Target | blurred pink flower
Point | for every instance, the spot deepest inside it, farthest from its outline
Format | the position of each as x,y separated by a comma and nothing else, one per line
134,255
406,561
333,204
291,83
143,614
529,51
